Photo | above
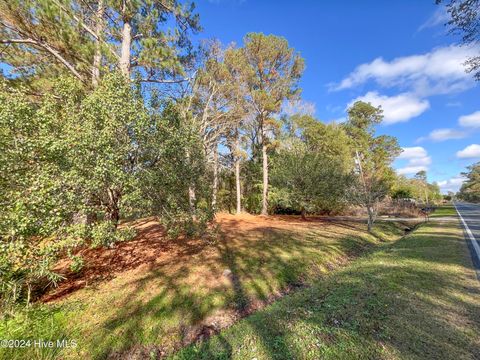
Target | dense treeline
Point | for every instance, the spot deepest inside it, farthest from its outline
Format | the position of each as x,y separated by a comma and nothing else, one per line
108,112
470,189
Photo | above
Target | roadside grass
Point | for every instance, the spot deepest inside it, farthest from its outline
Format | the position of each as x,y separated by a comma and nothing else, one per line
416,298
444,211
190,287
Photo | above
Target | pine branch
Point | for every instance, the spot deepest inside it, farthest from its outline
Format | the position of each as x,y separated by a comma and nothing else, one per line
49,49
88,29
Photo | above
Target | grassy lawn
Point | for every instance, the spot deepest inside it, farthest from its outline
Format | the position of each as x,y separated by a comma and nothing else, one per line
444,211
417,298
150,296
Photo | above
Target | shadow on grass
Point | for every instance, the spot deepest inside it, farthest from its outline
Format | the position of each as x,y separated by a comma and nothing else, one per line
410,300
249,269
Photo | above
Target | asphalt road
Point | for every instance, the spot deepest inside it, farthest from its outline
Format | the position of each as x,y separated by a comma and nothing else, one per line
471,223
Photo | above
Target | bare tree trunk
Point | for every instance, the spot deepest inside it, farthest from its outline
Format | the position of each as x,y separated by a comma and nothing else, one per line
372,215
370,218
113,213
215,178
367,198
265,178
237,185
192,198
264,170
303,214
237,175
126,42
97,57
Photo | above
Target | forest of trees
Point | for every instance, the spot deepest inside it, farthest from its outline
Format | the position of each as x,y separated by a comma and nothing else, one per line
109,111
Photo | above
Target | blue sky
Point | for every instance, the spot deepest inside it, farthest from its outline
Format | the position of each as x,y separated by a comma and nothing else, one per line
392,53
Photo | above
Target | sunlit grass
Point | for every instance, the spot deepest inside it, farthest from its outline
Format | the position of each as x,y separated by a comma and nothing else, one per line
415,299
444,211
157,308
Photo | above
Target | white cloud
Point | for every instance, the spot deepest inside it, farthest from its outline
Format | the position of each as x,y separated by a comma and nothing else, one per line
412,152
439,17
444,134
399,108
418,160
472,120
423,161
410,170
439,71
470,152
452,184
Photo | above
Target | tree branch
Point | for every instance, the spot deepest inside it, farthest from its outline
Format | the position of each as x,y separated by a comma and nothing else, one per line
88,29
164,81
49,49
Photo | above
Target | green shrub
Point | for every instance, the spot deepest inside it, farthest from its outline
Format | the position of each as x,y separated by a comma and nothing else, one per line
106,234
103,234
77,263
79,231
182,223
126,234
24,265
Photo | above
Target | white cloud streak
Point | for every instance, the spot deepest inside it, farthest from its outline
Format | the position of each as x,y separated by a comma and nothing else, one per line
418,160
452,184
440,71
410,170
439,17
472,120
439,135
399,108
470,152
412,152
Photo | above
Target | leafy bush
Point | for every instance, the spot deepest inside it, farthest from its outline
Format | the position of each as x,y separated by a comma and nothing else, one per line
182,223
78,231
103,234
23,266
126,234
77,263
106,234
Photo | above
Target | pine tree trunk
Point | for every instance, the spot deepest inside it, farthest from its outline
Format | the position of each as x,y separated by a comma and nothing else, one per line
215,179
370,218
303,214
126,43
265,179
237,176
97,57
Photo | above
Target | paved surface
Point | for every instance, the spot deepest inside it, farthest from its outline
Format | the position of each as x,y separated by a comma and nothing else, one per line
470,213
386,218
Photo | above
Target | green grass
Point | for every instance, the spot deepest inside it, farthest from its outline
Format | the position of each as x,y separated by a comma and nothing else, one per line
444,211
152,307
417,298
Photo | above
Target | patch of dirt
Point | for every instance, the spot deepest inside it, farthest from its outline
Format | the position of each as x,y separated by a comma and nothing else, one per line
151,248
101,264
